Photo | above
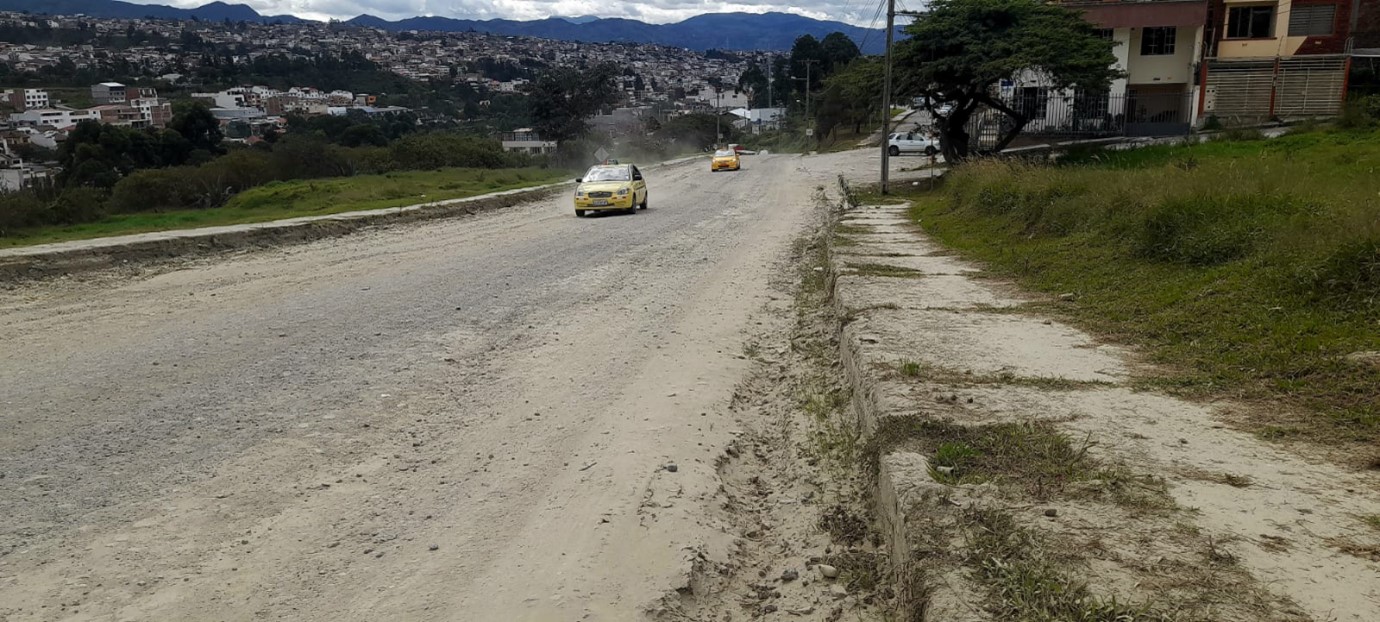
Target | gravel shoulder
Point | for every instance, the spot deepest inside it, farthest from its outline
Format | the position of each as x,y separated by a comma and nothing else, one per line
509,417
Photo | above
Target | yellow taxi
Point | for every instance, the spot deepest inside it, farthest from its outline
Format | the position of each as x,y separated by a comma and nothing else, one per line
611,187
725,160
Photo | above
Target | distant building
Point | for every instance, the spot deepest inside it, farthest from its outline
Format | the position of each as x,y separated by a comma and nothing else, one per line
120,114
53,117
526,140
22,176
27,99
108,93
756,120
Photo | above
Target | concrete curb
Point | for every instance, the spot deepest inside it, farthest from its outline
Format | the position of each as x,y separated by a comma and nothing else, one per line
60,258
903,484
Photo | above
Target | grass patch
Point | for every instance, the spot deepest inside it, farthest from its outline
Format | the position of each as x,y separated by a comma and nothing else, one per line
879,269
930,372
1027,584
1251,267
315,197
1032,456
1373,520
845,229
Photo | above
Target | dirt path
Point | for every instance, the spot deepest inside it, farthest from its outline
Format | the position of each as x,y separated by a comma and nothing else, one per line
511,417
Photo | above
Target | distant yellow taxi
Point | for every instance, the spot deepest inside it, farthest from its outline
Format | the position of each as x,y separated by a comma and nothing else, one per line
725,160
611,187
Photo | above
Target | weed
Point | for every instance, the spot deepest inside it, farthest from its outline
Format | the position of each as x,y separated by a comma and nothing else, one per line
884,270
1032,456
1373,520
911,369
845,229
843,525
857,569
1027,584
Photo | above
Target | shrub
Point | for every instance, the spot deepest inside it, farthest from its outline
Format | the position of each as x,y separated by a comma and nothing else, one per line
306,157
154,190
20,210
1350,273
421,152
78,205
1360,113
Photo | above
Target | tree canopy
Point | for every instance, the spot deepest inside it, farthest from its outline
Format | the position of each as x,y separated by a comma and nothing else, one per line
852,96
960,49
562,99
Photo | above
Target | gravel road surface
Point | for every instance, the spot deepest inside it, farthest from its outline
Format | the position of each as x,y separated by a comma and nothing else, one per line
509,417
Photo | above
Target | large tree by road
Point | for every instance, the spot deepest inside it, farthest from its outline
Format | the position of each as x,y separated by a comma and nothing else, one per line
563,99
960,49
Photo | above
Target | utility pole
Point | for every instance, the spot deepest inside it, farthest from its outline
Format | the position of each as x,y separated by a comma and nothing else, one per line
809,121
718,102
886,96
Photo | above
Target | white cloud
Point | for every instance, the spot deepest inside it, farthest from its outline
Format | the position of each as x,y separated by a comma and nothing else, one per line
858,12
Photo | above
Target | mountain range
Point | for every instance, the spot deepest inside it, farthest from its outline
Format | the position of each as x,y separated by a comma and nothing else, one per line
722,31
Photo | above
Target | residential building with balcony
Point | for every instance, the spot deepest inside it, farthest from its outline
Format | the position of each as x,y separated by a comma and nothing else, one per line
1280,59
526,140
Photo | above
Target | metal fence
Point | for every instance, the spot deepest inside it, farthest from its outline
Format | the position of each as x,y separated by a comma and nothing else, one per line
1074,115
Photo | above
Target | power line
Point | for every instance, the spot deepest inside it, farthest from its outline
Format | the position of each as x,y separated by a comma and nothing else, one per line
876,15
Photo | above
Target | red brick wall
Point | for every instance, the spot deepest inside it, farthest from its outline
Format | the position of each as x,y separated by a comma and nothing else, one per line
1367,33
1341,29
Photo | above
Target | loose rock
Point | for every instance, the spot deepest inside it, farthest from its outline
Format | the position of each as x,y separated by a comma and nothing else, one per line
828,572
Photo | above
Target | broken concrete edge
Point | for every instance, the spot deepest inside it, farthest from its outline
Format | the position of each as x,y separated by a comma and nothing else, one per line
902,479
77,256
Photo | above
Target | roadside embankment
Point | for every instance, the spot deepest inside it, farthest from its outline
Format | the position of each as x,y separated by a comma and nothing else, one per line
1022,470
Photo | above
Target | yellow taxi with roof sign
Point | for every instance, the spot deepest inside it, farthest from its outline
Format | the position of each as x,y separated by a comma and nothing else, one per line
611,187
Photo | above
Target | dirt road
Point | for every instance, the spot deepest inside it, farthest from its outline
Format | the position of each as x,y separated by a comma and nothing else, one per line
508,417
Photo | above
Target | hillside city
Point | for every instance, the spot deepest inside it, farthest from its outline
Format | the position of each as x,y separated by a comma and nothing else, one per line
1026,310
135,69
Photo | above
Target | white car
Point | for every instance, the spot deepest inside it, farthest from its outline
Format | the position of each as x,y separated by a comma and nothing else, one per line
912,142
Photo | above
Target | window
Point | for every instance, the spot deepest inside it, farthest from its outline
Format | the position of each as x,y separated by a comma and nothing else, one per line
1103,33
1312,20
1251,22
1158,41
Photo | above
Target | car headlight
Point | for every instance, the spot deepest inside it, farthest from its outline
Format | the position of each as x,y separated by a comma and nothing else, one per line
622,191
579,194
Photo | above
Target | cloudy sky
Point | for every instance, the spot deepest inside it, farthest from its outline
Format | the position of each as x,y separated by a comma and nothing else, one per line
858,12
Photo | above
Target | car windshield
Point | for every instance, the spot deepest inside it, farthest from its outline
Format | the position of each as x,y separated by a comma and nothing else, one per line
608,173
724,153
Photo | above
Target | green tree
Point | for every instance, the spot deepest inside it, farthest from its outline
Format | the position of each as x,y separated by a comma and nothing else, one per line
839,51
754,81
195,122
562,99
960,49
807,61
852,96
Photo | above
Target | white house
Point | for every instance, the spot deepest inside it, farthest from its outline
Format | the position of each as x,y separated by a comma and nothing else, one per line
55,117
757,119
526,140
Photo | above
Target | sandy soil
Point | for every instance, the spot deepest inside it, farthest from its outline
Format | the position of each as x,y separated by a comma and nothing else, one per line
515,416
